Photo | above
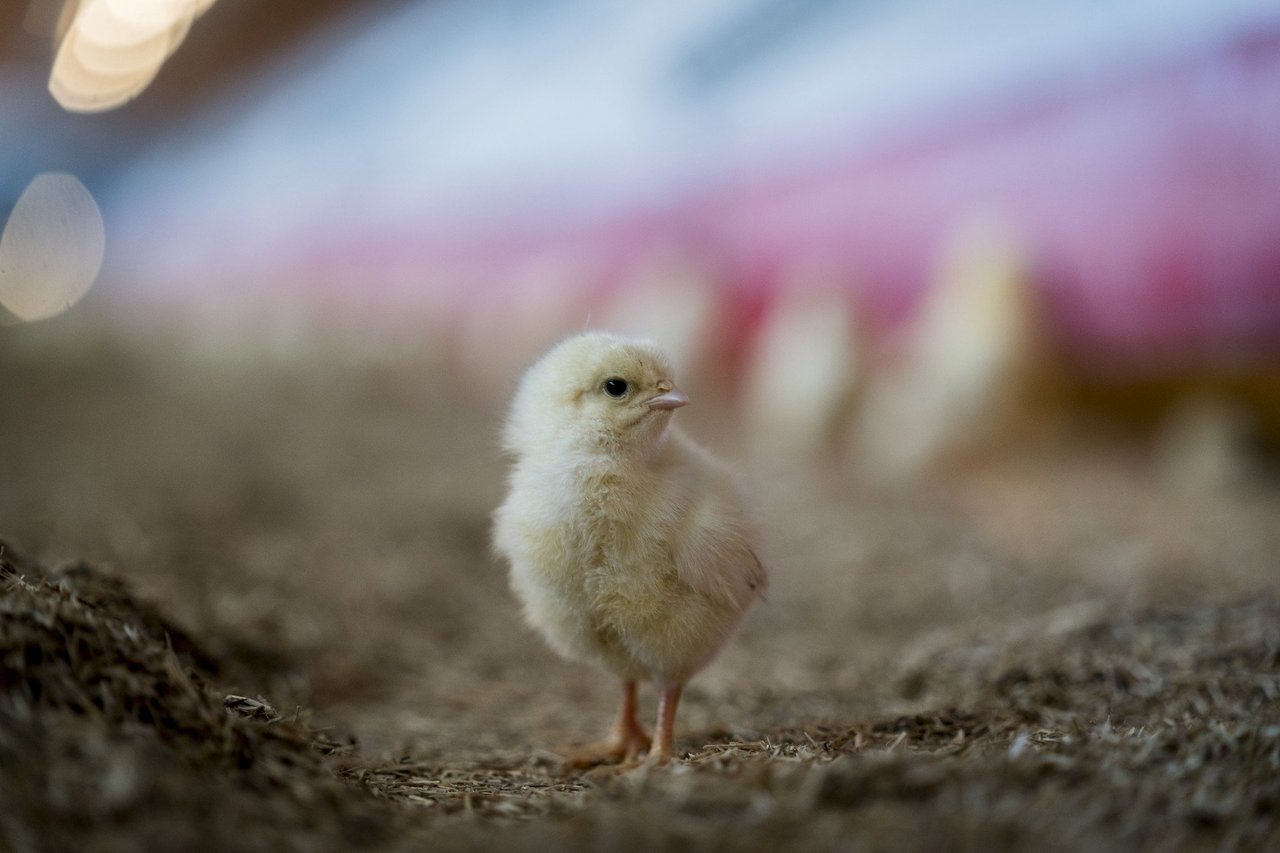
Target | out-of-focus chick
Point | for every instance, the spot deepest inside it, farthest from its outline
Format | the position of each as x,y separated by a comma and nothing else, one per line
975,375
801,384
628,543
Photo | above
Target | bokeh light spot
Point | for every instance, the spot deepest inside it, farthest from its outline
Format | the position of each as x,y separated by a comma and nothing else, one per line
51,250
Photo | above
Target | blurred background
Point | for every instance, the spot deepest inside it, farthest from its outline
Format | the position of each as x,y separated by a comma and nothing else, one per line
982,298
886,229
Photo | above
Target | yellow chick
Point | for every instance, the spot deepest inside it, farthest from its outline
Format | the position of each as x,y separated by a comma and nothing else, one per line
628,543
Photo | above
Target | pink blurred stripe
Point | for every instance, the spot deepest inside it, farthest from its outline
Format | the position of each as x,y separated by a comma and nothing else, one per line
1149,207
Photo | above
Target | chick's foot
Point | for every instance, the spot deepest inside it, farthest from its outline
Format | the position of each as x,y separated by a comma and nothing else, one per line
628,742
626,749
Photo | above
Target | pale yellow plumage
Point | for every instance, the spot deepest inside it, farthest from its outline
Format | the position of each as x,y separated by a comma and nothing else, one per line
627,542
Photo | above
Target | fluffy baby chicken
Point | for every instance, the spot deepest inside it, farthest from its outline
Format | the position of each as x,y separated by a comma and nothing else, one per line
628,543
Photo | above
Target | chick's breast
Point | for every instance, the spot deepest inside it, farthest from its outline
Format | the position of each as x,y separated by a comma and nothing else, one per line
538,530
646,571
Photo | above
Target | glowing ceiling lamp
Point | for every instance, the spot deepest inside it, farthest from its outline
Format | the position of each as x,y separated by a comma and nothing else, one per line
112,49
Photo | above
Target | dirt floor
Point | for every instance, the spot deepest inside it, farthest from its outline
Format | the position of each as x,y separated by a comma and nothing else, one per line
247,602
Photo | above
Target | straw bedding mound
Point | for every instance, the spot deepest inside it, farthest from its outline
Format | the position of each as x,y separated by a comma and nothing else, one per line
112,735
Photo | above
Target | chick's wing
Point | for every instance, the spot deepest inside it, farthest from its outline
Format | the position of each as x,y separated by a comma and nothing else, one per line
713,549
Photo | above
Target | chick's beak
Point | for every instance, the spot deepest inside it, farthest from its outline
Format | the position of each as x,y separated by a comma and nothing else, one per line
670,398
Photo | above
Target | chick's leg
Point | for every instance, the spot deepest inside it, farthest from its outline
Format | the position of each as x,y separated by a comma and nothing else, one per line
627,731
664,737
627,742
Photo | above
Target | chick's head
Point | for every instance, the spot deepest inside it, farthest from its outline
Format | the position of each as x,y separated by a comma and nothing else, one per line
594,391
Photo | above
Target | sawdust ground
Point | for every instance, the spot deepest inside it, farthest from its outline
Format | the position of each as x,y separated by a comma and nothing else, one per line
249,601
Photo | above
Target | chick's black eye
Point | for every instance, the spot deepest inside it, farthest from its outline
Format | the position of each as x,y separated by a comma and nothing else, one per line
615,387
